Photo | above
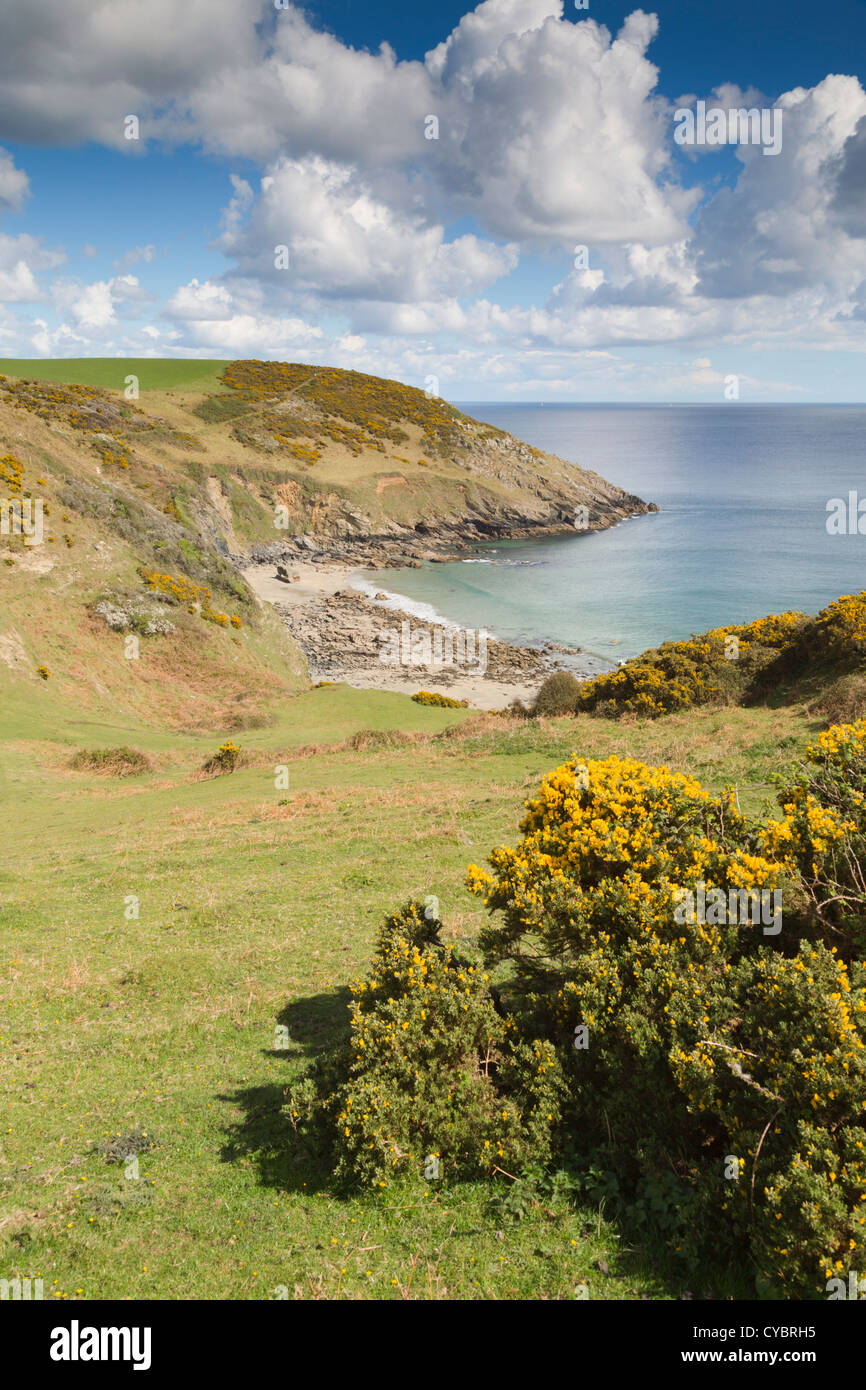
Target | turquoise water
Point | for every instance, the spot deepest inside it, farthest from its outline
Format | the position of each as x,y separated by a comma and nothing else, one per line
743,492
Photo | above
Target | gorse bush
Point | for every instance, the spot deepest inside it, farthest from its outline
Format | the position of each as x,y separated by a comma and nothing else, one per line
717,667
821,838
770,1059
701,1069
226,759
837,636
197,598
430,697
558,694
718,1054
429,1070
740,664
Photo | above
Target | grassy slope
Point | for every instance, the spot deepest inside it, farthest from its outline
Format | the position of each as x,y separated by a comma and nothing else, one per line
238,481
154,373
103,523
256,906
259,906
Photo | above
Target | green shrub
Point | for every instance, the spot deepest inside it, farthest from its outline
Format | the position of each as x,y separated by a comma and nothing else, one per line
559,694
772,1061
113,762
428,1071
844,701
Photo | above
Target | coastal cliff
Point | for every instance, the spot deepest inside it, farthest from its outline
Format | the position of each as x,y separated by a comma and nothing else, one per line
158,503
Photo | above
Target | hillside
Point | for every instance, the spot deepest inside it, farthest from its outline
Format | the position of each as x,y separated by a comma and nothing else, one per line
180,948
129,607
349,457
153,503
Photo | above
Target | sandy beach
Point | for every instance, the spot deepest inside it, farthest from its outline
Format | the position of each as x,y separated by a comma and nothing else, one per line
344,633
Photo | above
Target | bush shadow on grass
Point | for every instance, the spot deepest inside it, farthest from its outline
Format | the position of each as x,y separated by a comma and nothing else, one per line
285,1158
289,1162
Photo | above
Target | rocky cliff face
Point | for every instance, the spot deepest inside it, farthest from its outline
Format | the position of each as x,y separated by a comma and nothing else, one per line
293,459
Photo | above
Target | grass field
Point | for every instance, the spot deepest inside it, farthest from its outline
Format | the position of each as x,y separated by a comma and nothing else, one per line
256,908
154,373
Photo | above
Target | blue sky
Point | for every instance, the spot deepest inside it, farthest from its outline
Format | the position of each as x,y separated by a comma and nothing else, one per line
708,272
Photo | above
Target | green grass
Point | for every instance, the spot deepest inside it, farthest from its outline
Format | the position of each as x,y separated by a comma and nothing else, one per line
257,907
154,373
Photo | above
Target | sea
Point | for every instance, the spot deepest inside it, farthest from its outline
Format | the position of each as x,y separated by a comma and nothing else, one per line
742,531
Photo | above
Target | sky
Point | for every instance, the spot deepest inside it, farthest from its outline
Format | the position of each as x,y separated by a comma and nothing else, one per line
511,202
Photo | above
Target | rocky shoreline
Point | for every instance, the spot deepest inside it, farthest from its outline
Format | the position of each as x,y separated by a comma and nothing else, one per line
370,642
409,548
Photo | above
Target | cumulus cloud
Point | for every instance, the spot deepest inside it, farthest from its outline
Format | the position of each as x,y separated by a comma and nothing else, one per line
14,184
344,243
548,129
200,302
94,306
781,227
252,335
21,258
550,135
556,135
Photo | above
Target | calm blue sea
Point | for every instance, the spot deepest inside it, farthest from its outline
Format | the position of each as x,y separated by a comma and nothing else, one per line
743,492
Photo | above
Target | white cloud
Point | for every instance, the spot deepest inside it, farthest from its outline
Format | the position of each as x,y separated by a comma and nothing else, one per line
551,135
247,335
20,258
200,302
94,306
345,243
14,183
134,255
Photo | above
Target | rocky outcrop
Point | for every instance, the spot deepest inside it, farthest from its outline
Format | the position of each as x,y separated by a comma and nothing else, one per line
346,633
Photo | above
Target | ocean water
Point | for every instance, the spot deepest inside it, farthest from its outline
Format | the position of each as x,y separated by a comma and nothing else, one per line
742,531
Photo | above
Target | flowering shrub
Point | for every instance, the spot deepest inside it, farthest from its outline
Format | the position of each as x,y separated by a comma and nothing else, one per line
43,671
838,634
429,1070
196,597
225,759
738,663
11,475
776,1066
718,665
713,1057
821,838
427,697
706,1077
589,931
